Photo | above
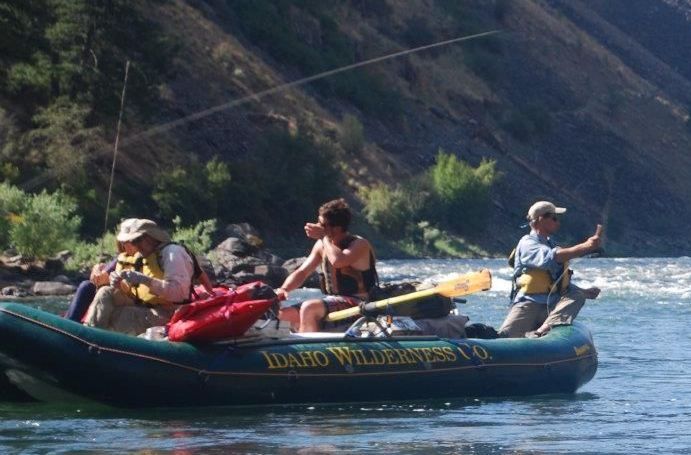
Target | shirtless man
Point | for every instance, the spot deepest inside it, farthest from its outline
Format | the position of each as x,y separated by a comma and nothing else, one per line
347,266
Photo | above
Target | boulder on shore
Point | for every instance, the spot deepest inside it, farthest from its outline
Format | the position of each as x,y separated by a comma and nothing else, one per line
52,288
242,258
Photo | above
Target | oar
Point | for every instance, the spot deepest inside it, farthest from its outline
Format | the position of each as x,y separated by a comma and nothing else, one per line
461,285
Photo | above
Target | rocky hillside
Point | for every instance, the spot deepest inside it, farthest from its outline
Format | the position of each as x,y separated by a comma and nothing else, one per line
585,103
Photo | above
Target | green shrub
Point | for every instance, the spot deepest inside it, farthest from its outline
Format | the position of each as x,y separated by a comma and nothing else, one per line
419,213
192,192
9,172
86,254
395,211
463,192
46,224
12,203
386,209
178,192
352,137
76,48
197,238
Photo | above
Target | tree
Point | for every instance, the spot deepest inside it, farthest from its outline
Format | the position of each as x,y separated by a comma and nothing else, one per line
193,192
64,142
82,49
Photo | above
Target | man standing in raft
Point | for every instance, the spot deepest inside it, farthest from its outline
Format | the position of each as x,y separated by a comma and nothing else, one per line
542,294
347,266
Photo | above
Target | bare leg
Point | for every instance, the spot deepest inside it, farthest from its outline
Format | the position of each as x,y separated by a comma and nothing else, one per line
292,315
311,314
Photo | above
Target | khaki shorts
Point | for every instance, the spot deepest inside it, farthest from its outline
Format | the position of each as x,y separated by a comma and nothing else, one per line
114,310
527,316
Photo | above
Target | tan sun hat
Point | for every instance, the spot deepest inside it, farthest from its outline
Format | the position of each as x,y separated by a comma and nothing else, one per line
125,228
133,228
543,208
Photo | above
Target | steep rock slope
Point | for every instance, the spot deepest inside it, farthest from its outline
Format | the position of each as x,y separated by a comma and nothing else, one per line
574,103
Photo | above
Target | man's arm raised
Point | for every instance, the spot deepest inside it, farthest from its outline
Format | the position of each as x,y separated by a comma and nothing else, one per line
591,244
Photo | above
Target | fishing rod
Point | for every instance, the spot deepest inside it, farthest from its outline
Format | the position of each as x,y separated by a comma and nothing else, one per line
115,152
261,94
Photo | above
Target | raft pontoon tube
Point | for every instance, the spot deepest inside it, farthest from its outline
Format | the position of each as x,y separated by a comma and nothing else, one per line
54,359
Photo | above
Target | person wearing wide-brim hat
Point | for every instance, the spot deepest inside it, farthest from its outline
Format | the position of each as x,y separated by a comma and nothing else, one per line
163,281
542,294
100,276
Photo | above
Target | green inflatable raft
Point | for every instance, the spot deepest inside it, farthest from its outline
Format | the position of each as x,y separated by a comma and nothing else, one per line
54,359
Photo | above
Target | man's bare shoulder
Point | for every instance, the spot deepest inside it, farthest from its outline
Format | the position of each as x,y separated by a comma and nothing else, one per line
360,245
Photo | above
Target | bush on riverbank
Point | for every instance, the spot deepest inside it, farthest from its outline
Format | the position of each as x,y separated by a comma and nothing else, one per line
462,192
41,225
37,225
450,196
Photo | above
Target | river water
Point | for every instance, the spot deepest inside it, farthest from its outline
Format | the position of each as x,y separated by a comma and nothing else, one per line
638,402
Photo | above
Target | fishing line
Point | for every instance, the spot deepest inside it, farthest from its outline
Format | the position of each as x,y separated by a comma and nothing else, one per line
261,94
38,180
115,152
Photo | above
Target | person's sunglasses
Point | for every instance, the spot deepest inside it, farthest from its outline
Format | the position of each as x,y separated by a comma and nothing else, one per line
552,216
137,240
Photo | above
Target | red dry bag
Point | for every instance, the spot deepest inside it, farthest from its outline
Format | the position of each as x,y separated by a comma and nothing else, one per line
226,314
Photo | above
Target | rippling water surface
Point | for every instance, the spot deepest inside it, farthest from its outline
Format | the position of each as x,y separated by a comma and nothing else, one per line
638,402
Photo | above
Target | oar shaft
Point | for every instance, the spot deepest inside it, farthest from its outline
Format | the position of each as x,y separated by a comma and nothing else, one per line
355,311
463,285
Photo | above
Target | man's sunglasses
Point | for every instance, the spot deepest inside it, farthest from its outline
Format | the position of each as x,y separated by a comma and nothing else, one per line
553,216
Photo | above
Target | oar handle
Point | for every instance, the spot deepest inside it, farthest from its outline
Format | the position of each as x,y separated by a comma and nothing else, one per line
343,314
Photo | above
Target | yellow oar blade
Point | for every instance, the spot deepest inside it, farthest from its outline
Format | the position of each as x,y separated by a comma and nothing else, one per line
468,283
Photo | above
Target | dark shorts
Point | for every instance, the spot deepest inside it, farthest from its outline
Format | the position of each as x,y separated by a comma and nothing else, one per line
340,302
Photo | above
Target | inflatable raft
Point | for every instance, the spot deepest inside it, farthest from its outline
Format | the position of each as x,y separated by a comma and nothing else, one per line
54,359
